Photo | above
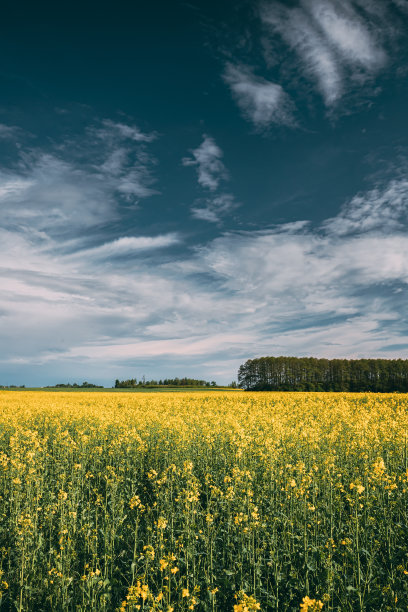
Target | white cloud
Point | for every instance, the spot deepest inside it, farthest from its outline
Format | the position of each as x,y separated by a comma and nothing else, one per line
213,209
128,245
126,160
379,209
205,214
338,43
207,158
299,32
260,101
53,195
347,33
75,298
8,131
60,192
177,347
122,131
211,172
135,184
293,289
115,162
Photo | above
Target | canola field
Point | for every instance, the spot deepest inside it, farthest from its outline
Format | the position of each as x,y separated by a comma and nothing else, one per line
203,501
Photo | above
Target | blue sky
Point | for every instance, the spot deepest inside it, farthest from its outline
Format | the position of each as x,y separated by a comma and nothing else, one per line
186,185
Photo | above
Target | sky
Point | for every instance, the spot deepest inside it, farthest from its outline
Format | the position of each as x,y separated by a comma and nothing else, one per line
187,185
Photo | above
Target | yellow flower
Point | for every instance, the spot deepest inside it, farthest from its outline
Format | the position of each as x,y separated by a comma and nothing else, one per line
379,467
149,552
185,593
310,605
246,603
136,503
161,523
163,564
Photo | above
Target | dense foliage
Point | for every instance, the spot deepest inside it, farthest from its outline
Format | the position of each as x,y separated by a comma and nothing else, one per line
210,502
311,374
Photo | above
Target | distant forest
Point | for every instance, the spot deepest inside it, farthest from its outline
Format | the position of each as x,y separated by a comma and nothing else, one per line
312,374
166,382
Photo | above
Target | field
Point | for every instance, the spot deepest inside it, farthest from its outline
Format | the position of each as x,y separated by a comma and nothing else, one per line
163,389
203,501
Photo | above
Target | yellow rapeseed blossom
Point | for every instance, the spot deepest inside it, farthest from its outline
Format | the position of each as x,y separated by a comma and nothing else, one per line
246,603
161,523
310,605
163,564
128,499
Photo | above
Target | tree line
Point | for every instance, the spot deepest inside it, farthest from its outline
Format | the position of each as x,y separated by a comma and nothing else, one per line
313,374
166,382
84,385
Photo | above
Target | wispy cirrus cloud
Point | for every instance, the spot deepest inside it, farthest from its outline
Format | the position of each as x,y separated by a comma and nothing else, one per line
52,195
380,209
214,208
338,289
9,131
262,102
207,158
128,245
84,297
79,184
125,158
111,130
211,174
354,39
340,45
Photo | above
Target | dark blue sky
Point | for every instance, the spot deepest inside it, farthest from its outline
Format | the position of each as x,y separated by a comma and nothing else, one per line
187,185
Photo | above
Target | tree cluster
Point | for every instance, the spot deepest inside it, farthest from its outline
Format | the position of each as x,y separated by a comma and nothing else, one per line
312,374
166,382
85,385
12,386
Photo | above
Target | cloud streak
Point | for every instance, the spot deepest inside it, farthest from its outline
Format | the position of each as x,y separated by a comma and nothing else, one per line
128,245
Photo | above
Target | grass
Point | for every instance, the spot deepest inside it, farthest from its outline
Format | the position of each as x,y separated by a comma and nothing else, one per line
203,501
